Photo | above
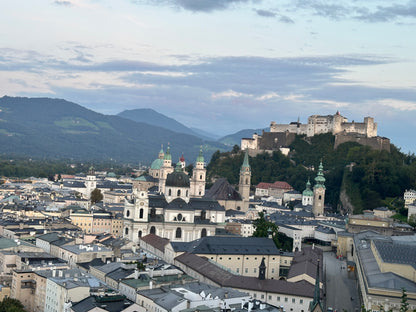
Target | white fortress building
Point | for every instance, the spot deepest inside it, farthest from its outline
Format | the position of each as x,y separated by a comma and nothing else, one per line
331,123
281,136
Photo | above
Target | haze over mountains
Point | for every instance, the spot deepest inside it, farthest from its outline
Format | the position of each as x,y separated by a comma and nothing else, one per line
55,128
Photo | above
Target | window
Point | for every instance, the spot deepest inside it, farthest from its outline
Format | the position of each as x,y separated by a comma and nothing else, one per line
301,301
220,258
203,232
246,270
126,231
278,298
286,300
141,213
229,258
272,271
293,300
238,270
152,230
179,193
254,270
170,192
270,297
262,296
178,232
127,214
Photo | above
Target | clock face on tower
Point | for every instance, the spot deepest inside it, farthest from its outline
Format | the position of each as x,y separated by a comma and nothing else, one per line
141,203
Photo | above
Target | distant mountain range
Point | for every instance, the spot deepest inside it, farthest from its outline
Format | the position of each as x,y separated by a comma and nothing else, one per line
150,116
55,129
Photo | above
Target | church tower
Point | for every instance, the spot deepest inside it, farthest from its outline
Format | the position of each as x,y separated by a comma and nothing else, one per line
307,195
319,193
198,177
245,178
90,183
165,170
136,216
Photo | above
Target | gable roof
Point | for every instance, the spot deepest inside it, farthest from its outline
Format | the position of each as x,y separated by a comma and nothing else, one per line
222,190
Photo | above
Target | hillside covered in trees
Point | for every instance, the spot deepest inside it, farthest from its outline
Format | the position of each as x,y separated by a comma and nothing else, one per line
367,178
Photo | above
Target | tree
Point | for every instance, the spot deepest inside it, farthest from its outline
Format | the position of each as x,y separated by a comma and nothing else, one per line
404,305
96,196
11,305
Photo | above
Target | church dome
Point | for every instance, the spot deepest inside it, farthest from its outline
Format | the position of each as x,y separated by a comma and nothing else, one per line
308,191
178,179
156,164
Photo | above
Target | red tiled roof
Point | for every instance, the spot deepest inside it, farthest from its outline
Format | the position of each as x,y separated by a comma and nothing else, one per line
276,185
281,185
264,185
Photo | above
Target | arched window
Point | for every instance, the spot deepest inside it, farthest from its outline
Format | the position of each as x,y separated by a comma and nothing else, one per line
203,215
139,234
128,213
170,192
152,230
203,232
186,193
141,213
179,193
200,177
178,232
126,231
153,212
246,181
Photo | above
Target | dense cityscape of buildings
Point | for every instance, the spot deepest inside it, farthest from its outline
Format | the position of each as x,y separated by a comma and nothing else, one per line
163,242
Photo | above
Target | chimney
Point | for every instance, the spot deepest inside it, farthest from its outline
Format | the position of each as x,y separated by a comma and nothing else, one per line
53,273
136,274
151,284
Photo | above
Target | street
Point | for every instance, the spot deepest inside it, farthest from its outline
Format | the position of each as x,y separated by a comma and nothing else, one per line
342,290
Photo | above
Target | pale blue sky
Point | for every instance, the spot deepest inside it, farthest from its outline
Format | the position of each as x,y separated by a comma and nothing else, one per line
219,65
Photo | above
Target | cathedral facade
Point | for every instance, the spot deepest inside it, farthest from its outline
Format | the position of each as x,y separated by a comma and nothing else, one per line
178,212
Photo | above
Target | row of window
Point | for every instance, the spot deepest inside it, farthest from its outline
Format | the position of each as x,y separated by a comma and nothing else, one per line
278,298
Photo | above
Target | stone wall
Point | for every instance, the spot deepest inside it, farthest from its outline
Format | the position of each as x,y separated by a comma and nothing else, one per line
377,143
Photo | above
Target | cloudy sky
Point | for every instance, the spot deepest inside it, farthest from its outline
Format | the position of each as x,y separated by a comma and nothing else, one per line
219,65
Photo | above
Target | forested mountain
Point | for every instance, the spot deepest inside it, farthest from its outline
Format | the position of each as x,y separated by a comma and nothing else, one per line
57,129
151,117
368,177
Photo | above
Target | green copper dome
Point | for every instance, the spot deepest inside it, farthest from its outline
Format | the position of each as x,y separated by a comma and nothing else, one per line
308,191
168,156
156,164
320,179
200,158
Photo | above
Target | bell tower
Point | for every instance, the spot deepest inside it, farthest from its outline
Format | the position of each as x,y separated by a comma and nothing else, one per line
245,178
319,193
198,176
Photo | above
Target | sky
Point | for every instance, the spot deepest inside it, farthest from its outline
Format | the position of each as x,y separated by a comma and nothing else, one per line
219,65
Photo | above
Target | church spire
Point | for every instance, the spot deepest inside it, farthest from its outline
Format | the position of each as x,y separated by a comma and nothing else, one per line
316,304
245,162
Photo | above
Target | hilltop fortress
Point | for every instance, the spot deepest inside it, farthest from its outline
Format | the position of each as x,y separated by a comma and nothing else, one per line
282,135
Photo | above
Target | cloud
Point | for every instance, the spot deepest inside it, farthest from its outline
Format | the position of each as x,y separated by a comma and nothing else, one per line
231,93
63,3
196,5
389,13
265,13
398,104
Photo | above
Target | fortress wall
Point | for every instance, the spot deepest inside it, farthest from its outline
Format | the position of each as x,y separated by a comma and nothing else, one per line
377,143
